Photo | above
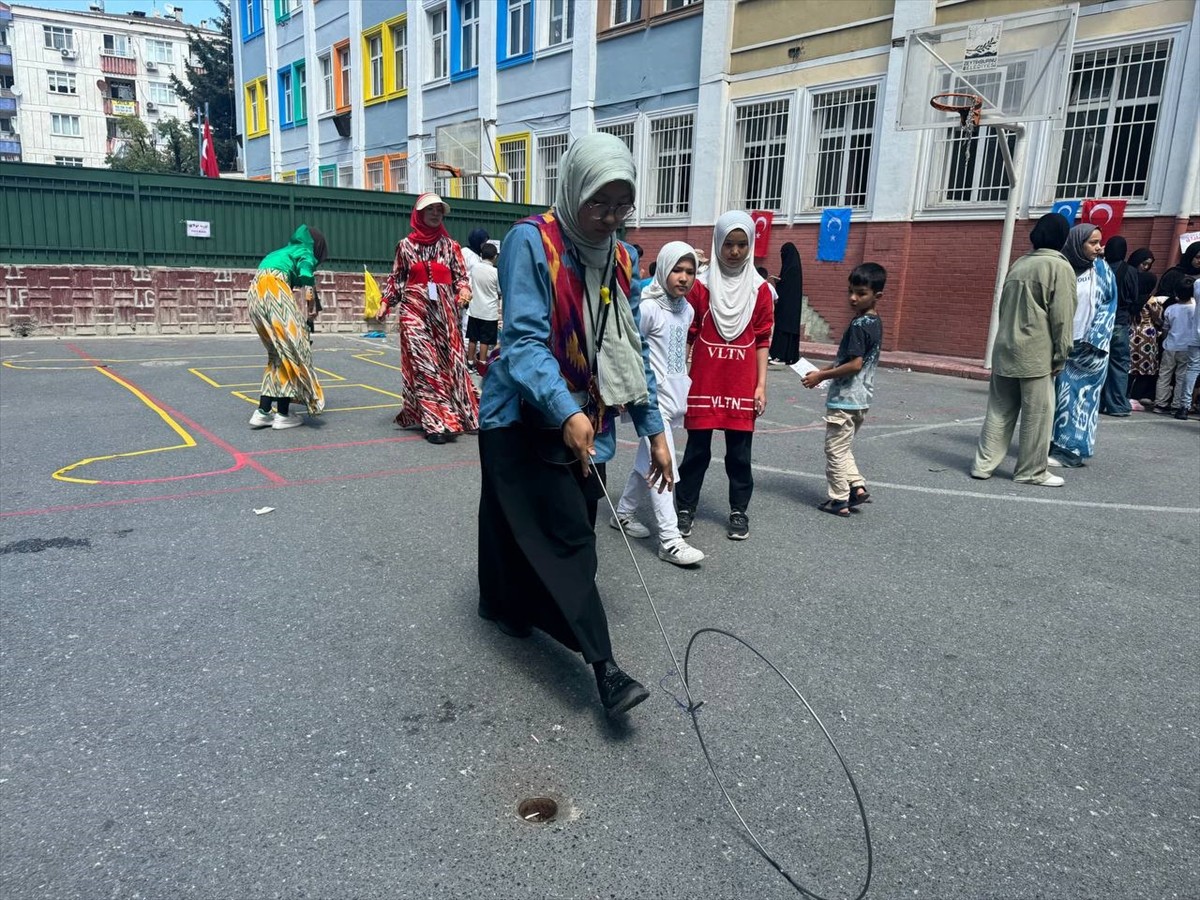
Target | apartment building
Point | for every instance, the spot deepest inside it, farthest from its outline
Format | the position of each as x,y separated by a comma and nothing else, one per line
789,107
70,74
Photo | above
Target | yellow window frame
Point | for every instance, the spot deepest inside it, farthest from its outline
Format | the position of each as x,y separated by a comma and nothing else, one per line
525,138
257,119
385,32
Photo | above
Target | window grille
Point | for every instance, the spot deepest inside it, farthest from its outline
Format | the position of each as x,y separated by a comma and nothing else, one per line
374,175
398,173
514,161
1113,107
328,175
550,149
345,176
623,130
972,171
840,148
671,166
760,155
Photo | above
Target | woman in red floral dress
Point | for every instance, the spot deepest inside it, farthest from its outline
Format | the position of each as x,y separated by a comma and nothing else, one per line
429,283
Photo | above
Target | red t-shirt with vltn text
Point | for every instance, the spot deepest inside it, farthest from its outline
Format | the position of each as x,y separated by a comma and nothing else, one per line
725,373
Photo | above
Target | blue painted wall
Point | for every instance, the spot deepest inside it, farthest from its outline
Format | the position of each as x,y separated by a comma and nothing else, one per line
655,68
536,93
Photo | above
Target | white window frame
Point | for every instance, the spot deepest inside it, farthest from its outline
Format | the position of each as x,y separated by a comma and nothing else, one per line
400,55
811,145
556,142
673,5
562,11
345,175
328,97
60,82
521,34
626,12
468,34
655,153
286,108
439,43
58,120
58,37
375,64
160,51
736,192
162,93
122,45
1164,122
69,162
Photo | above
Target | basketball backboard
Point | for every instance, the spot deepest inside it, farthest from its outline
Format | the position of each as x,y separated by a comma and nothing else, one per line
1019,64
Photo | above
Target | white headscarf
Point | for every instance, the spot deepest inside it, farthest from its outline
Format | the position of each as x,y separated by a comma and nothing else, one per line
590,163
732,293
668,258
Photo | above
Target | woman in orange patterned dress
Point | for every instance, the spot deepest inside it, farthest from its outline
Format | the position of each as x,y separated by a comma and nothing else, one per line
429,284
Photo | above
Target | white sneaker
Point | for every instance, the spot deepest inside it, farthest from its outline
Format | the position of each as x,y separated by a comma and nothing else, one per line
262,419
1051,480
1053,463
289,421
680,552
630,525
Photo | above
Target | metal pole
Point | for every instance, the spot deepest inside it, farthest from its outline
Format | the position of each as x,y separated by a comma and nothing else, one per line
200,142
1014,167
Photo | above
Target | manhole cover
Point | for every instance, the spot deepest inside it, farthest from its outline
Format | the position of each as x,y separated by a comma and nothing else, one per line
537,810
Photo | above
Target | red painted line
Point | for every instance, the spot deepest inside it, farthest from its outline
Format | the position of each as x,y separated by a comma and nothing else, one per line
240,459
190,495
341,446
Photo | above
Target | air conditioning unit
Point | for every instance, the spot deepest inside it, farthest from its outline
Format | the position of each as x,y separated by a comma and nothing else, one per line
151,106
151,66
67,53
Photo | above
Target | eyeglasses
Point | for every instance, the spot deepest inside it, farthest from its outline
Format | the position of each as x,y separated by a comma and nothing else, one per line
598,210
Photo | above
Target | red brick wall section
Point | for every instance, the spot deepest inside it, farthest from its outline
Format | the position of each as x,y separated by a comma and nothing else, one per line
85,300
941,273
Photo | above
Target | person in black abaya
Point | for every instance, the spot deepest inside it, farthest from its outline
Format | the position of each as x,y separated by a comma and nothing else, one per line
785,342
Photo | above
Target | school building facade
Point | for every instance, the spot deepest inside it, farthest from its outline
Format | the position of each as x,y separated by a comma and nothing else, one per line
786,106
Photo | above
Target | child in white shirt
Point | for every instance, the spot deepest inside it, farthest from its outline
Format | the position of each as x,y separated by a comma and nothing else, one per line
666,316
1180,325
483,315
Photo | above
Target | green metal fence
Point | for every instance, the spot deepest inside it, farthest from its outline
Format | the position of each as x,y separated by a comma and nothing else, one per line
52,214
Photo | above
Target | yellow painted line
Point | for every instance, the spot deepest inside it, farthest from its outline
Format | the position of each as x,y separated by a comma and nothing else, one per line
12,365
188,440
375,362
205,378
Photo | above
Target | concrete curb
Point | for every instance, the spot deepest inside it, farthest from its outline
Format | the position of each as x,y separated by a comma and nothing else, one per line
954,366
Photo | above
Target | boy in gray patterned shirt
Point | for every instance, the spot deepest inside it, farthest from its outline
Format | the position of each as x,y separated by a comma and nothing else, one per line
853,381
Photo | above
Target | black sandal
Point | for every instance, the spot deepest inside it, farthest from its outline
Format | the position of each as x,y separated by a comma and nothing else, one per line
859,496
836,507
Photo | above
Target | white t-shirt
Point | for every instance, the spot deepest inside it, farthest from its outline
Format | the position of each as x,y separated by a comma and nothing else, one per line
1085,306
666,335
470,259
485,292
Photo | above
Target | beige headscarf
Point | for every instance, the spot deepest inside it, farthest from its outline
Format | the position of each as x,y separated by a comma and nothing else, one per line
590,163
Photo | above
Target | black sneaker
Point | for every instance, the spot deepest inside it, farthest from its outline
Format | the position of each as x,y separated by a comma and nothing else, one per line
739,526
684,518
618,692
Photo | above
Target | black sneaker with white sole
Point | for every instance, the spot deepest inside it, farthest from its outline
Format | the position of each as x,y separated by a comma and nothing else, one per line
739,526
685,518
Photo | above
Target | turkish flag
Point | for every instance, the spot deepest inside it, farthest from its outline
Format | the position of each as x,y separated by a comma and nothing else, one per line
1107,215
208,156
762,232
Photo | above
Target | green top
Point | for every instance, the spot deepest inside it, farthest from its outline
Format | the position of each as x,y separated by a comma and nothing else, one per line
296,261
1037,306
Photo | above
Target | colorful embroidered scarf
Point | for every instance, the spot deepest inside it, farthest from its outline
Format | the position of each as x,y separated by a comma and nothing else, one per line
568,331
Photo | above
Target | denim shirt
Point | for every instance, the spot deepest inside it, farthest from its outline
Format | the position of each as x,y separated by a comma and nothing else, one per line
526,368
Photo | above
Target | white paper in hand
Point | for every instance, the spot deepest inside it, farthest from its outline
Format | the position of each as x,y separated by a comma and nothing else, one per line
802,367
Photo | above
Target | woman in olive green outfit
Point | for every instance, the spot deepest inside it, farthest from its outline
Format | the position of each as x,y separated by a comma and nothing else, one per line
276,317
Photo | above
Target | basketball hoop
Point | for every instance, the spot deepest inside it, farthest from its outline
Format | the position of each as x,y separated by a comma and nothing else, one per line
969,108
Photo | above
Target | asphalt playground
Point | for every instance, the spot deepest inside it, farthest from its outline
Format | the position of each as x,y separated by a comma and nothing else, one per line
247,664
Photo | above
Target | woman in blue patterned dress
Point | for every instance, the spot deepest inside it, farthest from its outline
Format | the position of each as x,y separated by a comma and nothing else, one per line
1081,381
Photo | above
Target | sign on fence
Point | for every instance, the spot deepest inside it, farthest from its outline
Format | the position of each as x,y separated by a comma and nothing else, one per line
199,229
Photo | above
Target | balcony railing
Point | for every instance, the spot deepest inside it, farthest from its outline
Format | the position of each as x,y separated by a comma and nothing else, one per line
118,65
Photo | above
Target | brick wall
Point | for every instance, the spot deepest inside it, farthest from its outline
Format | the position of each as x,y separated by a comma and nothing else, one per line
113,300
941,274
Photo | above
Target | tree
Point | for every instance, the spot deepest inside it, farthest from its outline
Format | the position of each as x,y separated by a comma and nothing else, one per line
210,74
169,147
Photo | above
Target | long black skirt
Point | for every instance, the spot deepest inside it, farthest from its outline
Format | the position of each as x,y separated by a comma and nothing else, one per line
537,542
785,346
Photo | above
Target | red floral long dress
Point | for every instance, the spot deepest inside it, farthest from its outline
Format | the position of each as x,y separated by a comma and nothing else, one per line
438,393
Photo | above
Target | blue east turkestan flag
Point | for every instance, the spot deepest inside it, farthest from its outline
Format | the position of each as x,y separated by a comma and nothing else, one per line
1068,209
835,231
